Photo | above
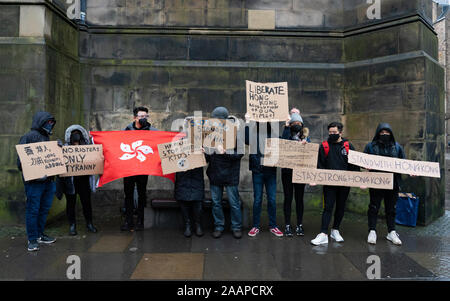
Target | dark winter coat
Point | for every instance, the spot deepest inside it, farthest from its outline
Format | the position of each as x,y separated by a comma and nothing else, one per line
287,135
37,133
255,160
190,185
391,149
224,170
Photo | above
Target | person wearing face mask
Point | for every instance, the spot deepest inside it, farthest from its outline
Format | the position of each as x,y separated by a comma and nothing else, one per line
384,144
39,192
81,185
140,122
297,132
333,154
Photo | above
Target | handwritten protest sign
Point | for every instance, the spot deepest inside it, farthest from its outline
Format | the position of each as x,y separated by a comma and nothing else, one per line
83,160
403,166
290,154
41,159
180,156
331,177
213,132
267,101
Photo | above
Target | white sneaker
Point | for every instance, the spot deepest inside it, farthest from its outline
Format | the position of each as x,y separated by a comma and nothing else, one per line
320,239
393,237
336,235
372,238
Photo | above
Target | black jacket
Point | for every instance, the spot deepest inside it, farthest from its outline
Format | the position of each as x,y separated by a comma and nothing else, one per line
287,135
391,149
190,185
337,158
255,160
37,133
224,170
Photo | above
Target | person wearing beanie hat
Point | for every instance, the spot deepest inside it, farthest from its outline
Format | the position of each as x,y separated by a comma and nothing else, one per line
297,132
223,172
220,113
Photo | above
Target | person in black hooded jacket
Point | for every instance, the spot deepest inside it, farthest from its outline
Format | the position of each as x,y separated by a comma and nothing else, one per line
384,144
39,192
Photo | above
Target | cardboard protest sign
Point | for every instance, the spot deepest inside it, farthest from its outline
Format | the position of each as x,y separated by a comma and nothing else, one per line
402,166
267,101
213,132
180,156
41,159
290,154
83,160
331,177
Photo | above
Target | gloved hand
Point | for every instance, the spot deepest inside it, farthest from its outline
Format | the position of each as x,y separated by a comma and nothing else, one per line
60,144
42,179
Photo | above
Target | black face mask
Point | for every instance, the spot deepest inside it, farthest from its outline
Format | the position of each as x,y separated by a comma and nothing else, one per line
75,137
385,139
333,137
296,128
143,122
48,127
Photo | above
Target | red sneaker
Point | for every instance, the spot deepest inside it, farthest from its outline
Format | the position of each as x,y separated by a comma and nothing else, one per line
253,232
275,231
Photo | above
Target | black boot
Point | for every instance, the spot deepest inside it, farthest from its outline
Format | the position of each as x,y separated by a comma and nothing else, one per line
198,229
127,226
187,231
73,229
91,227
140,224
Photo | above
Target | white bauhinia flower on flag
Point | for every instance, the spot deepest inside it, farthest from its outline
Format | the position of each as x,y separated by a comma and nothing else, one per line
135,150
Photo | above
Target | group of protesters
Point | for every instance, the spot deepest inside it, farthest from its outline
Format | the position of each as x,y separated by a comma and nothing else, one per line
223,171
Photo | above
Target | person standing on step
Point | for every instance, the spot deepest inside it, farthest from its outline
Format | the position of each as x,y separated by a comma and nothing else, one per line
384,144
39,192
333,154
77,185
140,123
190,193
294,131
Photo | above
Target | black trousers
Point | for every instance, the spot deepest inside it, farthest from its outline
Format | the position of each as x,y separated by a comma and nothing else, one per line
289,188
390,201
83,189
187,207
129,183
332,195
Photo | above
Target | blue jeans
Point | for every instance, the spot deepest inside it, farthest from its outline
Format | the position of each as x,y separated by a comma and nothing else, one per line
39,201
235,206
259,181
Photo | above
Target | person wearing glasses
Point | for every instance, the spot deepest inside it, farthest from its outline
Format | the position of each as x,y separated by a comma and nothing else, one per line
140,122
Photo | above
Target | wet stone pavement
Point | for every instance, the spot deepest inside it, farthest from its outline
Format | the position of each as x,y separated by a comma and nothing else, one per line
165,254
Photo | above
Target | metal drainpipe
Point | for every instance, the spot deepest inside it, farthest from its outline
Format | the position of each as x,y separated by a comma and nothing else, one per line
83,12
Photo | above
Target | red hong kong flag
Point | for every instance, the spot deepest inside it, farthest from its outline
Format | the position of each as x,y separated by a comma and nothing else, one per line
132,153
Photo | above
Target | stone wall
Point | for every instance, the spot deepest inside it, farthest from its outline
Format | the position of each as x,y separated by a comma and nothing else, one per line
39,70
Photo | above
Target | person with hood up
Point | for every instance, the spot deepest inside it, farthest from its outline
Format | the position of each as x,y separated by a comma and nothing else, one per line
81,185
223,172
295,131
140,123
39,192
384,144
333,154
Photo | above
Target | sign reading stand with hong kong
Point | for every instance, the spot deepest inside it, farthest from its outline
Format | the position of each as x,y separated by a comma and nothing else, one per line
403,166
